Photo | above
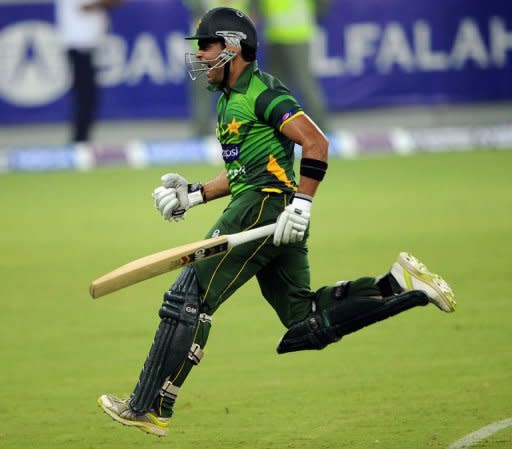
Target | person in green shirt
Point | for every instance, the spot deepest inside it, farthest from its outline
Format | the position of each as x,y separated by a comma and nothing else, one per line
259,122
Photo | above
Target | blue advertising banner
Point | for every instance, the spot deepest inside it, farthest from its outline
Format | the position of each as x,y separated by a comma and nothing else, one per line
399,52
366,53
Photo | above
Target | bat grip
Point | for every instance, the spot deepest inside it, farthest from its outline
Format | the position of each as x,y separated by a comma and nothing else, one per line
250,235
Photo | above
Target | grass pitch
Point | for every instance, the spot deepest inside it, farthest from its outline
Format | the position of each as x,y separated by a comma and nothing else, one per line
420,380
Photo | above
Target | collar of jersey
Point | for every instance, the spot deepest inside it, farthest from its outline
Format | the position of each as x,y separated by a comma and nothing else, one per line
242,83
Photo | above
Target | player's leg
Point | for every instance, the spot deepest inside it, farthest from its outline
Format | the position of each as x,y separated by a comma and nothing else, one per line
185,317
285,284
75,66
407,273
352,305
411,274
168,393
177,344
84,93
220,277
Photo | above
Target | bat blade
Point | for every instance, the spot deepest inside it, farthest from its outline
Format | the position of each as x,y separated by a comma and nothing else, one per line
156,264
170,259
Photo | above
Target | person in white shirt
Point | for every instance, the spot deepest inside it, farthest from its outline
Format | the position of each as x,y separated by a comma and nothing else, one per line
81,25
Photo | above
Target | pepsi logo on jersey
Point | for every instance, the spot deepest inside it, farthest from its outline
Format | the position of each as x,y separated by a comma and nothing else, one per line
230,152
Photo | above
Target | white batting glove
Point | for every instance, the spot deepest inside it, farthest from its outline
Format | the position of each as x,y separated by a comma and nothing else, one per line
166,202
293,221
175,196
180,184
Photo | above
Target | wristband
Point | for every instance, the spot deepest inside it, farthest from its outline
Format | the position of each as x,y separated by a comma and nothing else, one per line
196,194
313,168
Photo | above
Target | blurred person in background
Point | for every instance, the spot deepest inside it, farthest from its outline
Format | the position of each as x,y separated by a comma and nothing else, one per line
201,101
288,28
81,25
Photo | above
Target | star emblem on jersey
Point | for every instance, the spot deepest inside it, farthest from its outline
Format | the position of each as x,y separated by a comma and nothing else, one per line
234,126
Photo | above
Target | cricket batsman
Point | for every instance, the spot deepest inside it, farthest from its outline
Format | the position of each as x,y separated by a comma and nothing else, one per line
258,124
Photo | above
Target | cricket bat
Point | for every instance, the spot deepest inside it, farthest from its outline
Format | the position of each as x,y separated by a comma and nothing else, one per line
171,259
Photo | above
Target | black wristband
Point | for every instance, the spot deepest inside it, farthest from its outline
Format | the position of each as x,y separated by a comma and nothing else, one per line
313,168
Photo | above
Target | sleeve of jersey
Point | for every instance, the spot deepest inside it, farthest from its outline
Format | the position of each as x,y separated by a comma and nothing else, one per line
277,108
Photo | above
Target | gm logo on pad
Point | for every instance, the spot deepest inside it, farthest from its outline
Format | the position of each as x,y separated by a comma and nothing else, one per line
34,70
230,152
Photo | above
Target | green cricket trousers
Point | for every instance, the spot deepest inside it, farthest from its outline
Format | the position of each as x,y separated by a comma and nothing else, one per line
282,272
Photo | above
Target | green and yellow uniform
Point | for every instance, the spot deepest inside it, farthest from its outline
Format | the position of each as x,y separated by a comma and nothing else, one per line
250,119
259,163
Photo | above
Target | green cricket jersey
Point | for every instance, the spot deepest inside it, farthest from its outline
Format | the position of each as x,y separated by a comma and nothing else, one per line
249,119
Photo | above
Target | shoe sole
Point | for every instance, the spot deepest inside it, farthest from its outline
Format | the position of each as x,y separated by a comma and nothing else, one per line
444,298
145,427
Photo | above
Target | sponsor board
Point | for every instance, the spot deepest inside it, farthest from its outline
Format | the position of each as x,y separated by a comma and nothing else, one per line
385,53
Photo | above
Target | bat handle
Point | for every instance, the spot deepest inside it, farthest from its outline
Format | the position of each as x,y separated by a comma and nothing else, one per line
250,235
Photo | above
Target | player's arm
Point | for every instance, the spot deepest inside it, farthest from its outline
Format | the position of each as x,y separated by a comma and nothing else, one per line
218,187
176,195
303,131
294,220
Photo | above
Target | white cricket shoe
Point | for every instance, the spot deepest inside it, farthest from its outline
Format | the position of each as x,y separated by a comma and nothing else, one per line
120,411
411,274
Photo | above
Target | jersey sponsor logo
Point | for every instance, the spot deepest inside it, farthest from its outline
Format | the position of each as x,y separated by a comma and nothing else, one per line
236,172
230,152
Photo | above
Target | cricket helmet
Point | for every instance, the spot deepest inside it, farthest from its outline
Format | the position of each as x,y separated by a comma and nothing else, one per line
230,26
218,21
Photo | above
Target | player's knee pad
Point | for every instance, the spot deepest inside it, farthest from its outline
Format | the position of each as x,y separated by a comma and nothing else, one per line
347,316
173,340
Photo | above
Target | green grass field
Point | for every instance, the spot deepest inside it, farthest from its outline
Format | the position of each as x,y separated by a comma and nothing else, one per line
421,380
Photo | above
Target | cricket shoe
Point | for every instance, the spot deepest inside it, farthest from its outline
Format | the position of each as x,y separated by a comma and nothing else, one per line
411,274
120,411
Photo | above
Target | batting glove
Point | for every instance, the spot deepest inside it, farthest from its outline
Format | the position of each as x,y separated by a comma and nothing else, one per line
293,221
175,196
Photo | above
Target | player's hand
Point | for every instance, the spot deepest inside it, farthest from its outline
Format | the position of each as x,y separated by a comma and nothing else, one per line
293,221
167,203
175,196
